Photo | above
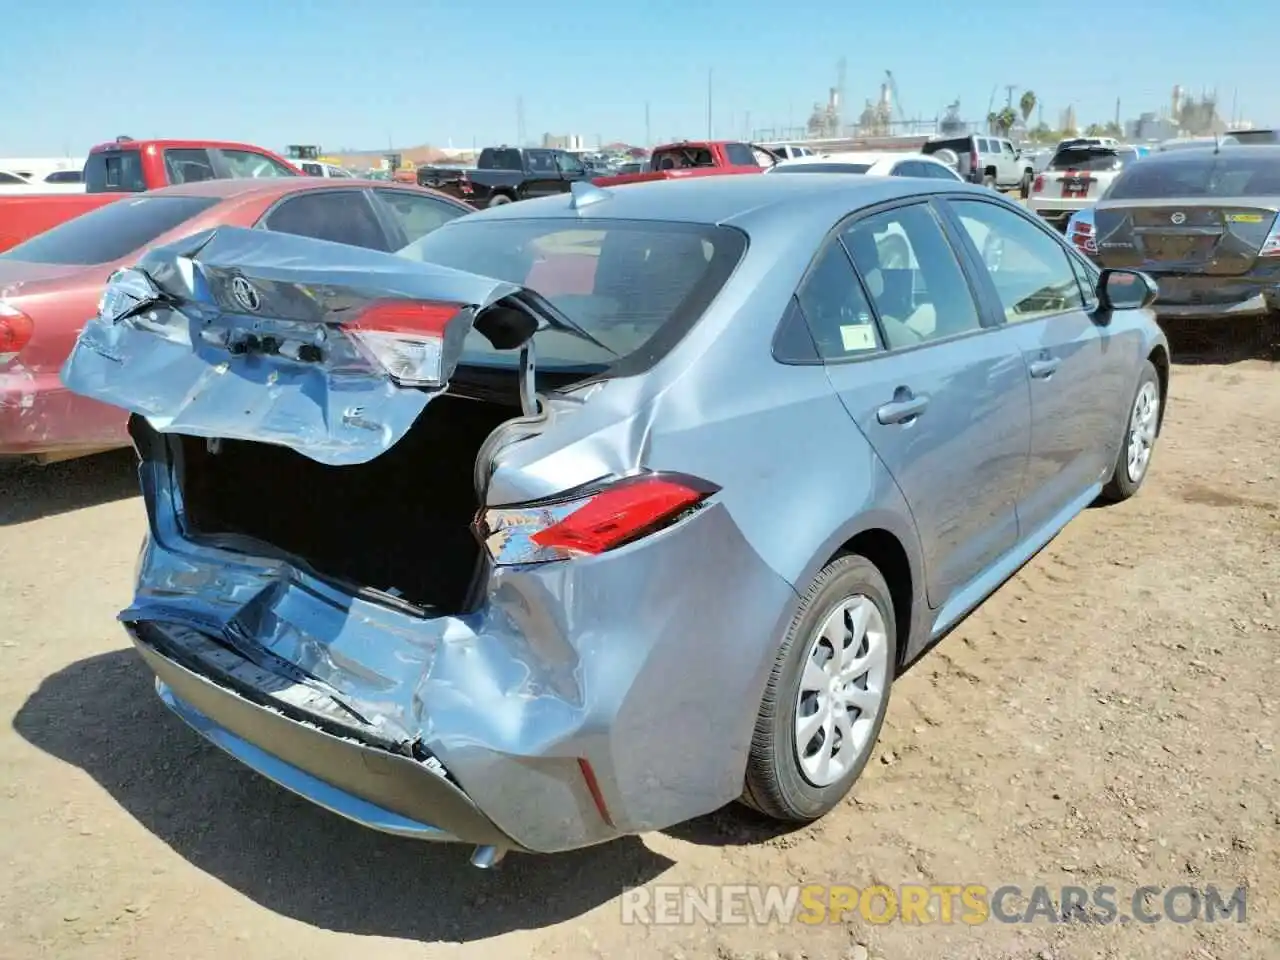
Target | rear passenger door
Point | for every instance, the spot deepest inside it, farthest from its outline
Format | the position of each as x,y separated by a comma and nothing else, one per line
1079,375
188,166
542,176
942,399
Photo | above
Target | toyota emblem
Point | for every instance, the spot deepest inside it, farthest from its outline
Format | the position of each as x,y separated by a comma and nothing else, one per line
1178,218
246,295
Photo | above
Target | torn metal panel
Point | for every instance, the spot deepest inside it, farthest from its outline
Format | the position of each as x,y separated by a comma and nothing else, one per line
245,334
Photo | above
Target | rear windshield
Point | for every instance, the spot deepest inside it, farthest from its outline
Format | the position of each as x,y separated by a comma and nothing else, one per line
1208,175
109,233
635,286
114,171
1084,157
956,145
823,168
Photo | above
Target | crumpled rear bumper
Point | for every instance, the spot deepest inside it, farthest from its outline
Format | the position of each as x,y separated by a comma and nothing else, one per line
373,787
579,702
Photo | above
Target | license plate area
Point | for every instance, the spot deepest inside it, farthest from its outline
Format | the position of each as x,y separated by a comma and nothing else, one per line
1075,188
1169,248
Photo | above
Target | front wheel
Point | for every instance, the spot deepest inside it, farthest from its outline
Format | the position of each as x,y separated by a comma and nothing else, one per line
827,695
1024,188
989,182
1141,427
498,199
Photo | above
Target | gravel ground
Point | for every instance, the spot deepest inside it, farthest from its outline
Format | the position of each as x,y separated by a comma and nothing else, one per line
1109,717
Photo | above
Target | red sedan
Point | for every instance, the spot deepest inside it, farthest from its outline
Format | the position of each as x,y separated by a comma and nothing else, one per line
50,285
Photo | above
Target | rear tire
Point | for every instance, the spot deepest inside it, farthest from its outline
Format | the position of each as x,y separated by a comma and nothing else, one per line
989,181
1024,188
498,199
1133,462
836,688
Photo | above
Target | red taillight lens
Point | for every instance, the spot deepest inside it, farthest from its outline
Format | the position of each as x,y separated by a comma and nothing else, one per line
405,338
598,520
464,183
1039,184
16,330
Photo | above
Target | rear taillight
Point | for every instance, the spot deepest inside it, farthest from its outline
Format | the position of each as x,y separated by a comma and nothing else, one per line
592,522
16,330
1038,185
406,339
1082,238
1270,246
973,163
464,184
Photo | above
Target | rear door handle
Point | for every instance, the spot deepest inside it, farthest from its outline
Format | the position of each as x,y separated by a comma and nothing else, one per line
902,409
1044,369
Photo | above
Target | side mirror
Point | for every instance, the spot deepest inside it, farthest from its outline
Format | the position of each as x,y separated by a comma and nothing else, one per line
1125,290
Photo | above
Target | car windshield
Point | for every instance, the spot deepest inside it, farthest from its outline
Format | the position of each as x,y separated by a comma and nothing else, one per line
1210,174
823,168
109,233
635,286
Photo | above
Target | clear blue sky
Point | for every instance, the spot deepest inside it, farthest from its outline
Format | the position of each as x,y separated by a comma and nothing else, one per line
419,71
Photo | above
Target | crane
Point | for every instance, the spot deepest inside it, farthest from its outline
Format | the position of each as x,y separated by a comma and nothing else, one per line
893,92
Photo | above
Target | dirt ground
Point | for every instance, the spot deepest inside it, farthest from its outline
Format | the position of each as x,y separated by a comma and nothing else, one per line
1109,717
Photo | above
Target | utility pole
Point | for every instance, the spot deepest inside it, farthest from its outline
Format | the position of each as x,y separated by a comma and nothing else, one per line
709,77
1118,127
519,121
1009,88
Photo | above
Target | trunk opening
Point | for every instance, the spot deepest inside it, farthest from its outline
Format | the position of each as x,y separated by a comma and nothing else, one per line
400,523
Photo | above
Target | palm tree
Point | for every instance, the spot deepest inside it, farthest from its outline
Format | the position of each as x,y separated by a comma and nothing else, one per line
1027,104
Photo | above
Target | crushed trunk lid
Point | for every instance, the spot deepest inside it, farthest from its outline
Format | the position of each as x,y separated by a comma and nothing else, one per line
332,351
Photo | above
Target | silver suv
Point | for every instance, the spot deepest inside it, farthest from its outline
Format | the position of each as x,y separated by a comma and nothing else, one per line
992,161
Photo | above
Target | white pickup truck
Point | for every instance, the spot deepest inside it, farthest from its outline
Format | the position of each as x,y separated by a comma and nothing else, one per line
1076,177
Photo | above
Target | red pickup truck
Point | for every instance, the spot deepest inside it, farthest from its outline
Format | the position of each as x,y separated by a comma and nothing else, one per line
697,158
125,166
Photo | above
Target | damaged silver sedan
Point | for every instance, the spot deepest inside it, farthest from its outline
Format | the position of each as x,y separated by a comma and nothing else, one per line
556,526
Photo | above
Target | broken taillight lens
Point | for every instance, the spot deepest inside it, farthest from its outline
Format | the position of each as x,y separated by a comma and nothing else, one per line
598,519
405,338
1270,246
16,330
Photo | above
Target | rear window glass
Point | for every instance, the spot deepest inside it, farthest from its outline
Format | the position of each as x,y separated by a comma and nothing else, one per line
1207,175
636,286
1255,136
110,232
824,168
114,171
1092,159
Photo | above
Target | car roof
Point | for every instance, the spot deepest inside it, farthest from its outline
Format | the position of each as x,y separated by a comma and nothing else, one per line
246,187
856,156
1203,151
719,199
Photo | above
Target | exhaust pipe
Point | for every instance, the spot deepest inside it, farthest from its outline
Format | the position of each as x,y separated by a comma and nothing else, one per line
487,857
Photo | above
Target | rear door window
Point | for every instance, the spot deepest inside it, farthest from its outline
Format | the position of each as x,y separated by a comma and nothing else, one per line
188,166
415,214
247,164
912,274
835,308
110,232
114,171
11,179
65,176
339,216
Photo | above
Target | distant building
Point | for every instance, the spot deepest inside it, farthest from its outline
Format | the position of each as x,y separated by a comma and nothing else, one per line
1149,126
568,141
